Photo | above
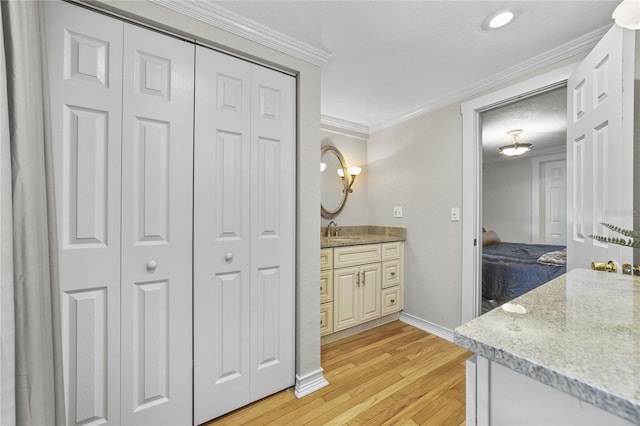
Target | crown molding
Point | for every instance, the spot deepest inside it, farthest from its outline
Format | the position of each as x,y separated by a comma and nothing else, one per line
559,53
229,21
326,120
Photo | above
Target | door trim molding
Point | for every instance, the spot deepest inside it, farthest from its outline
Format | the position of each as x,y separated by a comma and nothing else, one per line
472,177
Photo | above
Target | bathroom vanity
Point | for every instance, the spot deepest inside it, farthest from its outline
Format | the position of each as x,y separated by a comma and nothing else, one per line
361,278
567,352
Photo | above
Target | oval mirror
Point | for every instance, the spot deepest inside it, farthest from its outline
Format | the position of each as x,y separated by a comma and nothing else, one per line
333,193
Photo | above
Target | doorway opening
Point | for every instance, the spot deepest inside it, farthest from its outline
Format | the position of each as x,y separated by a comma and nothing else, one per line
472,177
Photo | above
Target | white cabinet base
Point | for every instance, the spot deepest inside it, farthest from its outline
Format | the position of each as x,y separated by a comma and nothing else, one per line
498,395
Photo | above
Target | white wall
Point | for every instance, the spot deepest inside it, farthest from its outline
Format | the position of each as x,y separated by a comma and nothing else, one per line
354,151
308,157
506,198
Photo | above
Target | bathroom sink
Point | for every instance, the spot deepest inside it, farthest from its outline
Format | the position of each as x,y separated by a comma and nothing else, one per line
345,239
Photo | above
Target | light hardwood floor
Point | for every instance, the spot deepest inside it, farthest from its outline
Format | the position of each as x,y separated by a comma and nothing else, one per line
394,374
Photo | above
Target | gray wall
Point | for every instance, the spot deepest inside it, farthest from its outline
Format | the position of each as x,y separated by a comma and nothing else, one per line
354,151
506,198
417,164
308,158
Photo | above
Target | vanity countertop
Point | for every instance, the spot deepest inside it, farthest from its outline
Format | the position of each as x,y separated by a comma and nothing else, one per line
580,334
358,235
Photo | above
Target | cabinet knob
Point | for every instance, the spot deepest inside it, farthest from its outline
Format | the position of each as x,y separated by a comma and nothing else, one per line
393,274
228,257
393,301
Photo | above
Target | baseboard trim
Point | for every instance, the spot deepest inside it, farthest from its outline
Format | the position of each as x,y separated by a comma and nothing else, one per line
427,326
310,383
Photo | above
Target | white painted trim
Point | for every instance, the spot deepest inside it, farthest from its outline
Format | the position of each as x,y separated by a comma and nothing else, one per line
557,54
427,326
471,177
535,190
227,20
326,120
310,383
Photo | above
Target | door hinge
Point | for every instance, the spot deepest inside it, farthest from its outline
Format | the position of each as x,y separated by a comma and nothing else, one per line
475,242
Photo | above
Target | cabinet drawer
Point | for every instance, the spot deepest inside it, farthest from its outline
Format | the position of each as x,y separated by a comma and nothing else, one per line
326,286
326,318
326,258
391,300
356,255
391,273
391,250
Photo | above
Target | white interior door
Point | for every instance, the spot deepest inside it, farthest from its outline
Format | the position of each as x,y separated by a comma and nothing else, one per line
157,164
85,79
221,241
244,221
273,185
555,202
600,149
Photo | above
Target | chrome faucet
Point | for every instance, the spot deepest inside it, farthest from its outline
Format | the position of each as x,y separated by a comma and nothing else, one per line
329,228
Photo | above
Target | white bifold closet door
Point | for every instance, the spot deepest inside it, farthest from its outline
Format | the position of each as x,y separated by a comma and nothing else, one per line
122,112
244,221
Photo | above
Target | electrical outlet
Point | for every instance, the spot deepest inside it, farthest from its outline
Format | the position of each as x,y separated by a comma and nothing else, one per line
455,214
397,212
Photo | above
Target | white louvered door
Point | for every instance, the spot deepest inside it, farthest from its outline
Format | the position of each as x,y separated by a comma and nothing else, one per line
244,186
157,165
122,114
600,150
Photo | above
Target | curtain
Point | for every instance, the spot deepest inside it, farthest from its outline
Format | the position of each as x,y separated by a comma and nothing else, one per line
7,324
39,395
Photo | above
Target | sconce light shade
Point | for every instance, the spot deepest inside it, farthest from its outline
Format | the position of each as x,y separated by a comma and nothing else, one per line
354,170
627,14
323,166
516,148
340,172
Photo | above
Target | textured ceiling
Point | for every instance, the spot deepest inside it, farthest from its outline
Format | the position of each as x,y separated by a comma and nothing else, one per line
393,58
542,118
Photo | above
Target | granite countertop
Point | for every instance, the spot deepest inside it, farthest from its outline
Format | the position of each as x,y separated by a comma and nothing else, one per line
358,235
580,334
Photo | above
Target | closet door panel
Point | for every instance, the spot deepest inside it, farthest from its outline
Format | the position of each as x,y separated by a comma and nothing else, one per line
273,228
157,158
222,235
85,66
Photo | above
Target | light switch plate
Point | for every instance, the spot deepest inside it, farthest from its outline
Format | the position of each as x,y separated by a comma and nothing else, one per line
455,214
397,212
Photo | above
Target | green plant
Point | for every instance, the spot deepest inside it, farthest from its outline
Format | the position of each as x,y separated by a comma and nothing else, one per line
632,240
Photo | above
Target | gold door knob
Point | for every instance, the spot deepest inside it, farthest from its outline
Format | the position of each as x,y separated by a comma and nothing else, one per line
601,266
629,269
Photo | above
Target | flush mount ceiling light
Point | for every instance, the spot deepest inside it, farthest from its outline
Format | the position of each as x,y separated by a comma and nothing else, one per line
627,14
515,148
500,18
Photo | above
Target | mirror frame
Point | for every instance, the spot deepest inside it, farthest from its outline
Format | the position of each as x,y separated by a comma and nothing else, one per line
329,214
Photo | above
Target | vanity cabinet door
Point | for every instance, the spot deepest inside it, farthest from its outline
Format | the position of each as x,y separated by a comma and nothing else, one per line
346,286
369,289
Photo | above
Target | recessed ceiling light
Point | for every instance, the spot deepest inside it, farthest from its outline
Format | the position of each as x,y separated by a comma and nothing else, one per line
500,18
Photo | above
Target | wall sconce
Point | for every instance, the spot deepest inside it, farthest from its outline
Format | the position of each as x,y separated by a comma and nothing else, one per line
353,172
322,167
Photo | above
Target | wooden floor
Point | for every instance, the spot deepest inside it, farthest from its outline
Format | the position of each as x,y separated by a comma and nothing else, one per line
394,374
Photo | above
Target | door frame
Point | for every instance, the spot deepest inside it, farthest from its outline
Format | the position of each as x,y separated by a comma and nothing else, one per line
472,176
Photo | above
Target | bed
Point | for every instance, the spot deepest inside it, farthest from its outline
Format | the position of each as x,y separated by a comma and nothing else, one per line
511,269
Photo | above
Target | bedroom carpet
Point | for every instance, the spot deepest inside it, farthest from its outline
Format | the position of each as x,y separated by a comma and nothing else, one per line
394,374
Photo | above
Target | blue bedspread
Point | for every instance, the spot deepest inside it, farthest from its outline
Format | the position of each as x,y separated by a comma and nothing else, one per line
511,269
